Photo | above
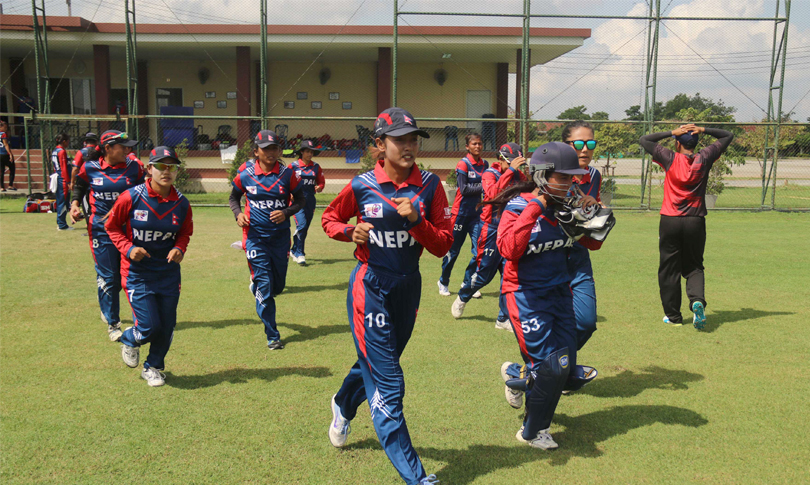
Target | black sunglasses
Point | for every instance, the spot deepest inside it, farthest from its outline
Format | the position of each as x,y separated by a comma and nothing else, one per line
580,144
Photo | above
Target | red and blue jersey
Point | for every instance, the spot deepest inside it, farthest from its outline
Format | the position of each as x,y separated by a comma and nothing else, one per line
61,167
266,193
107,183
395,244
533,245
81,156
311,177
4,149
495,181
143,218
468,178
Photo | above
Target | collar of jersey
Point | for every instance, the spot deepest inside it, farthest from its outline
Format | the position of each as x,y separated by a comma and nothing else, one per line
257,168
103,163
172,193
415,178
583,179
305,165
471,159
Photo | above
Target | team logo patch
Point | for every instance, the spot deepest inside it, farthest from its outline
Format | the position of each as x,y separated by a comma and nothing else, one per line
141,215
97,181
408,120
536,227
564,361
175,219
472,174
251,189
373,211
447,213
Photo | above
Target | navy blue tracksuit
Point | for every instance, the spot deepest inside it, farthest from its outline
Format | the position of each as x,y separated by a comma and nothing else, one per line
267,243
583,286
311,177
142,218
466,214
384,294
106,184
61,167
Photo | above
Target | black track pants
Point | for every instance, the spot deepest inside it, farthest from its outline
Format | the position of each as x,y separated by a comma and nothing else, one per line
681,241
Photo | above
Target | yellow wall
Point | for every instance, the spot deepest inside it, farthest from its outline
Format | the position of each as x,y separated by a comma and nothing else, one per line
419,93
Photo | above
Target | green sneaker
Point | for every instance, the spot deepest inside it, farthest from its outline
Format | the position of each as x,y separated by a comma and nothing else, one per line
700,315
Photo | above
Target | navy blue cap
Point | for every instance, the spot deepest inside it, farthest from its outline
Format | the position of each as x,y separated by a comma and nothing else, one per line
115,137
163,155
689,140
309,145
396,122
510,151
90,136
265,138
557,156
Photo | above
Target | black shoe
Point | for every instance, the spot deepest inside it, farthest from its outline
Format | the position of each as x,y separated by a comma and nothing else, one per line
275,345
11,187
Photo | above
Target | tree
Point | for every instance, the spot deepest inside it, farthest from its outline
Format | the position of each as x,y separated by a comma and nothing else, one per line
683,101
575,113
600,115
634,113
614,139
183,181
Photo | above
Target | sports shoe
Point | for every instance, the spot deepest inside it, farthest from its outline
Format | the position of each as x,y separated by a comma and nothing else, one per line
131,355
443,290
458,307
677,324
302,260
477,294
64,229
513,397
699,321
505,325
104,319
429,480
275,344
340,428
114,332
153,377
543,440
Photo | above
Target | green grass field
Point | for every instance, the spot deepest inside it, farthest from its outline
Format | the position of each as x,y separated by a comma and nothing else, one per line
671,404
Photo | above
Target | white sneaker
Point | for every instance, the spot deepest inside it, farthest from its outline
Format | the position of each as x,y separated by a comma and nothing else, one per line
513,397
443,290
458,307
153,377
131,355
302,260
504,325
543,440
340,427
477,294
429,480
65,229
114,332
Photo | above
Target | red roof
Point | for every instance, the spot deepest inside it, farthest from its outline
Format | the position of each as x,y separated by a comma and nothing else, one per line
73,24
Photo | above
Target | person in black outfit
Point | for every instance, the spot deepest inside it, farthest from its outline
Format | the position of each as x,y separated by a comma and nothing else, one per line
682,230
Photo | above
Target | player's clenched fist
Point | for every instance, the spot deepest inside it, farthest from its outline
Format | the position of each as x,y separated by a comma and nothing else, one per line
75,212
405,208
242,220
360,233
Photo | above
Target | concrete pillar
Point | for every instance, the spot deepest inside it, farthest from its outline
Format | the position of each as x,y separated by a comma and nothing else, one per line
242,93
501,102
384,79
101,73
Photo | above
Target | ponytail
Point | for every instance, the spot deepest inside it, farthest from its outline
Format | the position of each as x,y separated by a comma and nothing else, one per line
500,201
61,138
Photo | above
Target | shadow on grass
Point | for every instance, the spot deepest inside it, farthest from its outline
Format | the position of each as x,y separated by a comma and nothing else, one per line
717,318
303,332
315,261
310,288
242,376
581,438
628,383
